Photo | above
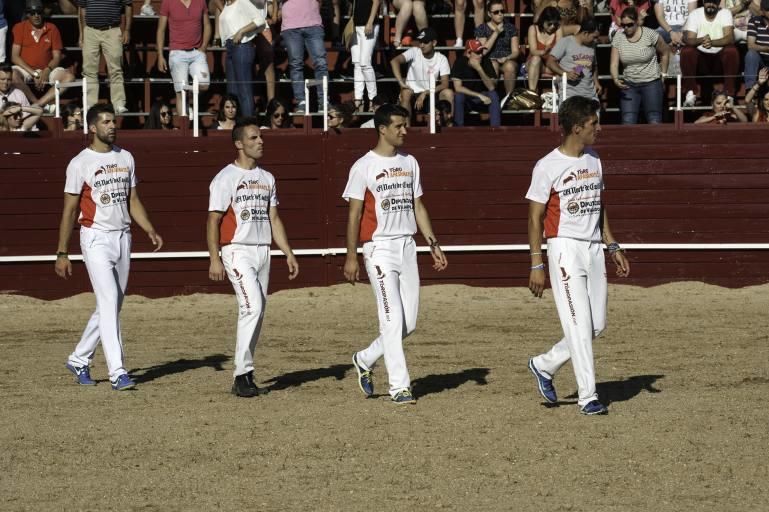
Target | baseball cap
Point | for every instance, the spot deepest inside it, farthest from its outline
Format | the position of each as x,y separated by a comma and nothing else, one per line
34,5
427,35
474,46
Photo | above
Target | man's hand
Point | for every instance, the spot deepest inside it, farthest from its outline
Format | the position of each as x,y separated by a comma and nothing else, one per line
216,270
42,78
484,99
597,87
162,65
573,76
677,38
369,29
420,100
474,61
293,266
623,265
351,269
156,240
126,37
537,282
63,267
706,42
439,258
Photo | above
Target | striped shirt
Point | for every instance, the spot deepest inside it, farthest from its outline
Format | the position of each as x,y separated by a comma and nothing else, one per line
639,58
103,13
758,27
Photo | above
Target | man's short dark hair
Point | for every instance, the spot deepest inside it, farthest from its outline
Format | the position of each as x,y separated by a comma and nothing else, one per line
93,113
6,68
588,25
240,125
383,115
575,111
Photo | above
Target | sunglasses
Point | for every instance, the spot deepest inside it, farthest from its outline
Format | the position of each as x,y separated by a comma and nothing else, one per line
333,116
627,25
33,12
498,12
276,115
164,114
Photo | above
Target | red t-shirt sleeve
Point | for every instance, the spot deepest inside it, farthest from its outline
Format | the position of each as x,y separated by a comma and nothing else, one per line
56,43
17,34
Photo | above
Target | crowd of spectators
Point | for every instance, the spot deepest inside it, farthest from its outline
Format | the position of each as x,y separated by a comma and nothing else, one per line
484,66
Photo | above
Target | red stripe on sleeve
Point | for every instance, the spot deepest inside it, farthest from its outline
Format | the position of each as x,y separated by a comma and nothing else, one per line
228,227
87,207
368,222
552,214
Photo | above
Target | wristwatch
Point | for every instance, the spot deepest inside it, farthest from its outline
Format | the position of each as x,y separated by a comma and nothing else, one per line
36,74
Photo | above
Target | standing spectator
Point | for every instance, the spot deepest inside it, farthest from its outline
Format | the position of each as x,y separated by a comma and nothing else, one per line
500,38
239,24
475,84
189,33
3,32
760,92
723,111
100,34
21,118
302,27
672,16
72,117
161,117
405,8
364,40
36,54
617,7
276,115
421,62
575,56
543,35
636,47
758,45
229,111
572,11
460,6
710,50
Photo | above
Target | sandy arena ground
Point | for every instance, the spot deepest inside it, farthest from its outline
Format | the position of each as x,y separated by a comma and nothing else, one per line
684,368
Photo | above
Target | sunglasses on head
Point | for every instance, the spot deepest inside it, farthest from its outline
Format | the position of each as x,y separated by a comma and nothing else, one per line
498,12
627,25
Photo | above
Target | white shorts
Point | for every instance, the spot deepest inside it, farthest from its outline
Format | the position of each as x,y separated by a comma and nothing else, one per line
184,63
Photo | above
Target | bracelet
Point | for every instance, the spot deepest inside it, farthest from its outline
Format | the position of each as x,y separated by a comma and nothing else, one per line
62,255
535,253
541,266
614,247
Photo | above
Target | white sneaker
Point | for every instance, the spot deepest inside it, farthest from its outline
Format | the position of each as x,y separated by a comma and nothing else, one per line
690,100
119,111
459,43
147,10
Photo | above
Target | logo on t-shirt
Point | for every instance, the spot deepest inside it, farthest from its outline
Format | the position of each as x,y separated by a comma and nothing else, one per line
572,207
104,198
245,214
386,204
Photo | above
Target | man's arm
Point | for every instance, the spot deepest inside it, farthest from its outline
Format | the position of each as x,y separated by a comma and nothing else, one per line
139,214
444,84
351,268
555,67
18,61
160,42
63,266
727,39
281,240
216,268
488,82
426,228
617,254
753,45
80,25
206,33
461,89
691,39
537,272
129,19
395,64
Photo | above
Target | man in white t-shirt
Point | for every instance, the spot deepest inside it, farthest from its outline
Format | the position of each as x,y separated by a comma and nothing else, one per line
385,196
243,221
709,50
672,16
101,182
565,203
415,89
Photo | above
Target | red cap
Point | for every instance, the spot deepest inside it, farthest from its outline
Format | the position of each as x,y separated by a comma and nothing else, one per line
474,46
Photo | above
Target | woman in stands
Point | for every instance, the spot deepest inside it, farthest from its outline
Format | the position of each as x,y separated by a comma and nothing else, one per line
542,37
276,116
618,7
637,48
364,40
229,110
759,93
723,111
339,116
500,37
160,117
572,11
72,117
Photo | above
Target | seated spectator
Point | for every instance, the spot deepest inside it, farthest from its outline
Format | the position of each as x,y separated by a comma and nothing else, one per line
475,84
302,27
543,35
421,61
72,117
617,7
575,56
637,47
709,50
276,115
239,24
671,16
8,91
758,45
189,29
161,117
365,17
36,55
21,118
229,111
339,116
405,8
3,32
460,6
741,15
500,38
443,117
759,93
379,100
572,11
723,111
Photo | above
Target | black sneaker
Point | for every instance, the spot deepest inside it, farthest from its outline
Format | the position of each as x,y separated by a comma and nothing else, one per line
244,386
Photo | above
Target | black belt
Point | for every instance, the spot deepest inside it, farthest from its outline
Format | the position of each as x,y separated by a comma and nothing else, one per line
188,49
106,27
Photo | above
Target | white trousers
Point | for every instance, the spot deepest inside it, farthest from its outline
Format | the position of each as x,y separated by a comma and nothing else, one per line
107,257
392,270
248,268
361,52
3,35
578,280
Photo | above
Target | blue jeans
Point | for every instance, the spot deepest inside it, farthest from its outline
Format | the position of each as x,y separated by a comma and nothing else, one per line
648,94
664,33
239,68
296,40
754,61
495,111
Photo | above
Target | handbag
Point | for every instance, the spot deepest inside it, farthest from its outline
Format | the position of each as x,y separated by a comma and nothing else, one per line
349,29
524,99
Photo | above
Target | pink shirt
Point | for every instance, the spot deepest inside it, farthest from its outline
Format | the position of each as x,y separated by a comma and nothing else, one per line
300,14
185,24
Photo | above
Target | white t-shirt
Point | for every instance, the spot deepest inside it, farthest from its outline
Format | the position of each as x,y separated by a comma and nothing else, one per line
237,15
419,67
104,182
698,24
676,11
571,188
388,187
245,196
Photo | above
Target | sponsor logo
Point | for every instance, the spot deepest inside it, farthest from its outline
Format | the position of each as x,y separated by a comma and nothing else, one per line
570,177
245,214
385,204
104,198
239,278
564,279
385,301
383,174
572,207
242,186
564,276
